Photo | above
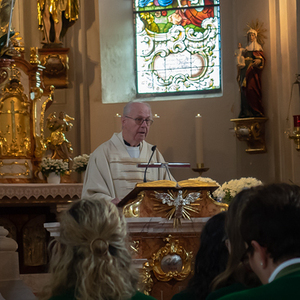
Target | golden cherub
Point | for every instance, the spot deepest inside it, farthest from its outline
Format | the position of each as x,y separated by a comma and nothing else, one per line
57,141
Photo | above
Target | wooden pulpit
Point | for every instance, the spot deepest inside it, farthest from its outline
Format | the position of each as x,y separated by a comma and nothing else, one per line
165,220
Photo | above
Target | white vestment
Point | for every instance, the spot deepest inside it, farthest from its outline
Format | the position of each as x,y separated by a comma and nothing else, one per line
112,173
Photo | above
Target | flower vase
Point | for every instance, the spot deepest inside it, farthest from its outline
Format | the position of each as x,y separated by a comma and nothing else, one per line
82,174
53,178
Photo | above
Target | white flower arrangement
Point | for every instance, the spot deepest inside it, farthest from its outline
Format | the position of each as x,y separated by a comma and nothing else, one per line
217,194
229,189
205,179
49,165
80,163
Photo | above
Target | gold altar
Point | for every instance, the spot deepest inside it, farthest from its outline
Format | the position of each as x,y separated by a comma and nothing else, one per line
23,101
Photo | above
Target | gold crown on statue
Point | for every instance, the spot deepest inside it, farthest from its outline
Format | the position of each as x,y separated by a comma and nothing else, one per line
258,29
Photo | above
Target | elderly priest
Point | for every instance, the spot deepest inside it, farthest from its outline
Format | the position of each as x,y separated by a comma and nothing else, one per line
112,170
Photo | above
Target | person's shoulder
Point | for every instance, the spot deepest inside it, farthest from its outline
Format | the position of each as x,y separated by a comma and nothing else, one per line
149,146
242,295
146,144
285,287
251,293
235,287
185,294
141,296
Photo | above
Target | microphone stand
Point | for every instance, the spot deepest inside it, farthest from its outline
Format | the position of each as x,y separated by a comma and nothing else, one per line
153,150
162,165
167,169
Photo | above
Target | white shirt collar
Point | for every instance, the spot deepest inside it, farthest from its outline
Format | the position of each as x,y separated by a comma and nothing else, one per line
134,152
282,266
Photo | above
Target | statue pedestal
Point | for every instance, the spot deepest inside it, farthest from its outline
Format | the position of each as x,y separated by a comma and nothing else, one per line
56,63
252,131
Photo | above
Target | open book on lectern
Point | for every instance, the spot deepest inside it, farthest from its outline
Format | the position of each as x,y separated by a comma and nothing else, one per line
189,184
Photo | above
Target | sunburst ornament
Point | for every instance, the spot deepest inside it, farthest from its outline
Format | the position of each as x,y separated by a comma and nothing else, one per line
258,28
179,204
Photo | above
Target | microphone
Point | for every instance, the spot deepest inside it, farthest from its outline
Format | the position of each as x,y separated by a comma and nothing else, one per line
153,150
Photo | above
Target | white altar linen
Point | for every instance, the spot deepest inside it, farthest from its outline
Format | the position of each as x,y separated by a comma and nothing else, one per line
22,192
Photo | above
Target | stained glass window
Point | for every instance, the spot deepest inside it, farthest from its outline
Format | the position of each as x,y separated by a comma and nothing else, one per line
177,46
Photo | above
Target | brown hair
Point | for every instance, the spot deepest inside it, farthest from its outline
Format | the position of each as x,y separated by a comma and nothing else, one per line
235,271
272,218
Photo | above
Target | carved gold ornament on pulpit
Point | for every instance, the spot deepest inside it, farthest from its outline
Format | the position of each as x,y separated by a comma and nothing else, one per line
170,262
158,208
132,210
178,204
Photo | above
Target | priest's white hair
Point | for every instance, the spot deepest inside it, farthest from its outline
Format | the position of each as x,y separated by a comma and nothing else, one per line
127,107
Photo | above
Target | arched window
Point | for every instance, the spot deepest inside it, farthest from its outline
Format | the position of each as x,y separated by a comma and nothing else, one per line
177,46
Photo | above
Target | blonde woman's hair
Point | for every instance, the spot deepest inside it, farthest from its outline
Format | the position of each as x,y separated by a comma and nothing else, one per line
91,255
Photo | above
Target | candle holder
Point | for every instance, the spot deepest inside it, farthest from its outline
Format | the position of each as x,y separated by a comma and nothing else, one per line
296,133
200,169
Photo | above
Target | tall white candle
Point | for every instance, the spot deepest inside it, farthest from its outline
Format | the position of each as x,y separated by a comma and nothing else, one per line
117,122
199,139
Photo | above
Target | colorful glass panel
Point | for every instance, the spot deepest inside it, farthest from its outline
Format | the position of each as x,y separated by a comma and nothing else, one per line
177,46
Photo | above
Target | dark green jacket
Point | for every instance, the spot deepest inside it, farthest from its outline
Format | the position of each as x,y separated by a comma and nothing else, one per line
233,288
185,295
283,287
69,295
